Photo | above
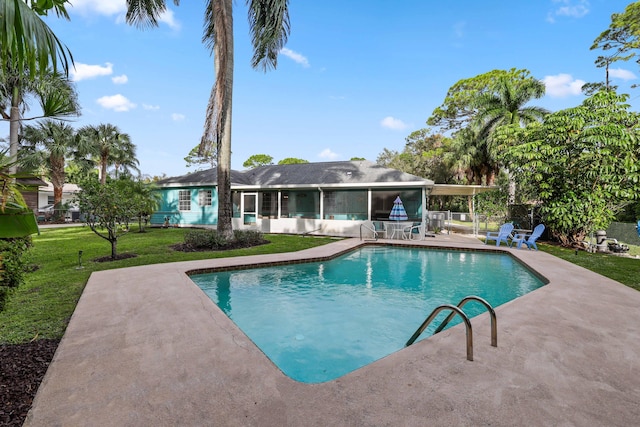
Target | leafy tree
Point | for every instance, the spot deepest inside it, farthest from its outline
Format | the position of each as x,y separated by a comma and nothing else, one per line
104,145
258,160
145,201
427,155
620,40
583,161
108,208
194,158
54,92
46,146
269,26
474,108
354,159
292,161
504,105
424,154
460,104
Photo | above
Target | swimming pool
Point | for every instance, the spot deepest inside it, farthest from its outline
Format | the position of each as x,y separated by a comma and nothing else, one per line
318,321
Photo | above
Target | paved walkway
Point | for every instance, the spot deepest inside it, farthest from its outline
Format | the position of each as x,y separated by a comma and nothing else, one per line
146,347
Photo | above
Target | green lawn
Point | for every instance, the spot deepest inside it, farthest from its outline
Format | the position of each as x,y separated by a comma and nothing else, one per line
42,307
622,269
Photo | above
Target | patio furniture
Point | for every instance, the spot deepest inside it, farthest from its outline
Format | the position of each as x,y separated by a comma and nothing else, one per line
414,231
502,235
528,239
395,229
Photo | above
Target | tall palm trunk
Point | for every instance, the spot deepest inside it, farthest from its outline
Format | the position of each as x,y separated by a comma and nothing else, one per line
57,178
14,129
222,93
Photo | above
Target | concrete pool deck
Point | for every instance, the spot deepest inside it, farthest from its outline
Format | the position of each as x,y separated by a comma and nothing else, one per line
145,346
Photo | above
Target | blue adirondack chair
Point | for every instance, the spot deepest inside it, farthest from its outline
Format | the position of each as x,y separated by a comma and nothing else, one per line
501,235
638,228
529,239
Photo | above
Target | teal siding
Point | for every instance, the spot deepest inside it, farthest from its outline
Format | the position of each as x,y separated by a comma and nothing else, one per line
196,215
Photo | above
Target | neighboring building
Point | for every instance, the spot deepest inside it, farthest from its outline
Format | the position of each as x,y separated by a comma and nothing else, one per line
45,195
45,208
330,198
29,187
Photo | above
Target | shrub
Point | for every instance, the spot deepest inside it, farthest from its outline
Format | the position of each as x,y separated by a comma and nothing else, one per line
248,237
204,239
211,240
14,261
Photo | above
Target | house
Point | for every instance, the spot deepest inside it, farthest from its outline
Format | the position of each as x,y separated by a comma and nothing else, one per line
329,198
29,187
46,201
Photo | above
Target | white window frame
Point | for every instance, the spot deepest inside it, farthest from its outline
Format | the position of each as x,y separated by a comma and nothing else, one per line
204,197
184,200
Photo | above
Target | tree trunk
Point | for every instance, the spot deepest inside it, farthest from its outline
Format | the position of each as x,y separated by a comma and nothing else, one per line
103,171
57,178
14,129
113,239
223,62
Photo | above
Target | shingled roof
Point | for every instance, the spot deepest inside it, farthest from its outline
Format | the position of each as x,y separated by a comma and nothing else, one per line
349,173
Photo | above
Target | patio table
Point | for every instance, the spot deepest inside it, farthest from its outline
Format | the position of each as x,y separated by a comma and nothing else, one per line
395,229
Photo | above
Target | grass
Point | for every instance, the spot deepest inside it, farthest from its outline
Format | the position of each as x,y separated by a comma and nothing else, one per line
622,269
42,307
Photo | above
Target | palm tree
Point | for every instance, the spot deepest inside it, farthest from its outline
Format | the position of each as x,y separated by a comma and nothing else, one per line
269,25
103,144
123,159
27,42
53,91
504,106
47,146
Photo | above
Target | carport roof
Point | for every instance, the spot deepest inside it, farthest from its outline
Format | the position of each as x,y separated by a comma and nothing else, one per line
460,190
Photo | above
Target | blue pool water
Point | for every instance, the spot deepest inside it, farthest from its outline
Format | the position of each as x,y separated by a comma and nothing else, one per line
319,321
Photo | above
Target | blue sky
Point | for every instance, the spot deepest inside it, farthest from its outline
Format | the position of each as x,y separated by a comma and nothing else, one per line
356,76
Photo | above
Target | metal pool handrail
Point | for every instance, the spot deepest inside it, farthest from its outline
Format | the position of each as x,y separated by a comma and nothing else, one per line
433,314
492,314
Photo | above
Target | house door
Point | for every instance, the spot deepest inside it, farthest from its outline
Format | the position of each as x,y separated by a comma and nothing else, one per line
249,204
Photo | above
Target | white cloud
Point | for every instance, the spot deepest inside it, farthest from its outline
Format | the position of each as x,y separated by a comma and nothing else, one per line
328,154
569,8
120,80
393,123
619,73
116,103
300,59
85,71
150,107
117,8
176,117
168,18
101,7
562,85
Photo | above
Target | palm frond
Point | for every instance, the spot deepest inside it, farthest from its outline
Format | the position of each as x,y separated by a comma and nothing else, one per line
270,28
27,42
146,13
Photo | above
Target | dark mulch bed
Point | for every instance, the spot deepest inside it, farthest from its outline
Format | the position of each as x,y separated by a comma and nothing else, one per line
22,367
